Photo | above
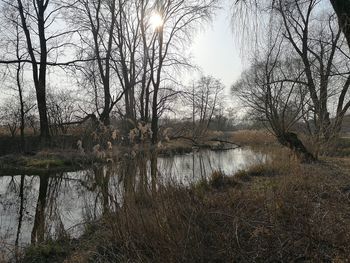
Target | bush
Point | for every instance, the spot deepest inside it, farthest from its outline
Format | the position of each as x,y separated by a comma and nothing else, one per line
219,180
242,175
49,252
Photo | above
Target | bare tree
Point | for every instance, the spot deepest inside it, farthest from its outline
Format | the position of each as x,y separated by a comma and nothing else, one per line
164,28
10,117
175,19
61,111
204,97
129,51
38,23
96,23
274,100
15,71
14,114
34,13
247,11
318,41
209,94
320,48
148,37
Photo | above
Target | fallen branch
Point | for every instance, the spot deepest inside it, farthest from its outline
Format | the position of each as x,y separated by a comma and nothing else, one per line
196,143
224,141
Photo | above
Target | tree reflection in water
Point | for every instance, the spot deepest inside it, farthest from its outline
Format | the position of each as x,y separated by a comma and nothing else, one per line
37,208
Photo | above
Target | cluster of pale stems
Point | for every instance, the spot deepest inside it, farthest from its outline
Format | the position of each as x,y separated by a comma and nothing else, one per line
141,132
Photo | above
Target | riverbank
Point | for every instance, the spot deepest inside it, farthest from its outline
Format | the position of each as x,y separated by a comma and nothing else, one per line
44,163
281,211
57,160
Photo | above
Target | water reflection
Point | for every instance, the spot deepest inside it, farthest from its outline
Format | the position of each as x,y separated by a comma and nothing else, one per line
36,208
187,169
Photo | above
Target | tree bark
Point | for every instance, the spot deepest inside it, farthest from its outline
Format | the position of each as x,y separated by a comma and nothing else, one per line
291,140
39,74
44,122
342,9
41,85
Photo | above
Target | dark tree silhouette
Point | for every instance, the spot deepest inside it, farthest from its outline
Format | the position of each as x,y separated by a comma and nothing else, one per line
342,9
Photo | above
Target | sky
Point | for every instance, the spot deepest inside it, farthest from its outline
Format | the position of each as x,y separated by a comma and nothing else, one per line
215,51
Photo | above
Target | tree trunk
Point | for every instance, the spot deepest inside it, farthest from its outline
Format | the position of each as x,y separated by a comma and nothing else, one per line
105,115
342,9
147,104
154,128
41,84
39,75
292,141
20,91
44,122
21,102
22,125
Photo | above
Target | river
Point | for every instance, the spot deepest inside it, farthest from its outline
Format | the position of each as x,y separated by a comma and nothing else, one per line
59,204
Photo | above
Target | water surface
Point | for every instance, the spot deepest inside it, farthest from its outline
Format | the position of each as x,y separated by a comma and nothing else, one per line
34,207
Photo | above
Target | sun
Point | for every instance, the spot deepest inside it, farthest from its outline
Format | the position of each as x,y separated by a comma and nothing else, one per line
156,21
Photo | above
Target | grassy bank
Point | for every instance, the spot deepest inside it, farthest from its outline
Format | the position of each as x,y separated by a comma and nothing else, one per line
45,162
253,138
211,140
54,159
278,212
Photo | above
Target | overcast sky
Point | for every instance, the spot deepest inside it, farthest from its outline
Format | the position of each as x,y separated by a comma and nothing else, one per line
215,51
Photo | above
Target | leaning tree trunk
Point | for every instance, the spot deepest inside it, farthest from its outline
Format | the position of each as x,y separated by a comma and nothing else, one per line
342,9
291,140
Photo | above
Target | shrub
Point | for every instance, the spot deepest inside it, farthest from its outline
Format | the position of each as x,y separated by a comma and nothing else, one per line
219,180
242,175
49,252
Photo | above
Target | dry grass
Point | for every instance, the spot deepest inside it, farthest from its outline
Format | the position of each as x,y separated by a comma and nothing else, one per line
45,162
178,146
298,213
253,137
